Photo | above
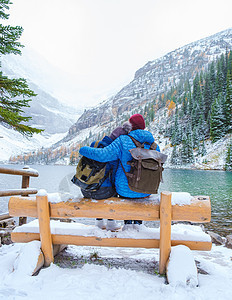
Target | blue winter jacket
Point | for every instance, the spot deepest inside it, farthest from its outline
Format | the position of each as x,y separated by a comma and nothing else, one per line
119,150
111,166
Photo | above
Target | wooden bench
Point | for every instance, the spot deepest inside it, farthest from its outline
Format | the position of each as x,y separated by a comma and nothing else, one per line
199,211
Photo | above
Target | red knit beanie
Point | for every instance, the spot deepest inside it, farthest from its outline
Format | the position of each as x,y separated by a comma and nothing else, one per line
137,122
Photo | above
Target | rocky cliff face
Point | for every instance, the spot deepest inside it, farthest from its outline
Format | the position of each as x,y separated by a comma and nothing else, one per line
157,77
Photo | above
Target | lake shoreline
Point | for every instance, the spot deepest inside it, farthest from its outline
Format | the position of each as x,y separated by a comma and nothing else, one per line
182,167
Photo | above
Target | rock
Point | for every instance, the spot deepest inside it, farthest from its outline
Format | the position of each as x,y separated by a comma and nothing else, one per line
229,241
5,236
216,238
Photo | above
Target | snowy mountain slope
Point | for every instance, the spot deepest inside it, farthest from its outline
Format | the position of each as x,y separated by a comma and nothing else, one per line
150,83
13,143
47,112
157,77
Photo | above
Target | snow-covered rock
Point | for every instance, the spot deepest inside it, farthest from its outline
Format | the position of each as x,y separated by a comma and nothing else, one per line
181,268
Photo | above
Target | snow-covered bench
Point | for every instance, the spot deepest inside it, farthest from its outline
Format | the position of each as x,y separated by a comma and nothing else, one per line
51,232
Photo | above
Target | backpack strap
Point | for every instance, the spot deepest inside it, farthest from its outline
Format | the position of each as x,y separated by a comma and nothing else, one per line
153,146
137,143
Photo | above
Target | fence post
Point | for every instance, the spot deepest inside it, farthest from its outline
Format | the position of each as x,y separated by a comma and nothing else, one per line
44,228
25,184
165,230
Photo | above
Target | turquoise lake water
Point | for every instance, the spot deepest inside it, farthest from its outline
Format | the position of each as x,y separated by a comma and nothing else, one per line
216,184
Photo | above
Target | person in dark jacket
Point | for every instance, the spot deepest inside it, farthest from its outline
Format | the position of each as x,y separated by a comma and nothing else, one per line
119,150
107,188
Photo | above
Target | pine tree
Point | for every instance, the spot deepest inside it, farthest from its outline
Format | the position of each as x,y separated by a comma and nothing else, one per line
187,155
228,103
196,137
207,96
212,80
175,158
217,123
228,165
15,94
202,150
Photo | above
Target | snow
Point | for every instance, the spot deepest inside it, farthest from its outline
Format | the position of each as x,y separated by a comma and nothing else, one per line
26,261
13,143
42,193
178,231
181,198
61,197
182,269
178,198
99,282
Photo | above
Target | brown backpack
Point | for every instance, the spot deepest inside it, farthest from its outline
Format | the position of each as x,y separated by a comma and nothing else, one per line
146,168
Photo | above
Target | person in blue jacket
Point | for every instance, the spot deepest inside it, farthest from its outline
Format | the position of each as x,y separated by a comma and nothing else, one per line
119,150
107,189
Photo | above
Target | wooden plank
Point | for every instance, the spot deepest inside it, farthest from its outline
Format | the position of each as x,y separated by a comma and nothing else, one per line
6,222
12,192
25,172
165,230
23,207
193,245
198,212
40,263
25,185
113,208
25,237
4,216
44,229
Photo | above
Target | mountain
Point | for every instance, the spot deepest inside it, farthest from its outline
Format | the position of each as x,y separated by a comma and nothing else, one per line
152,93
47,112
157,77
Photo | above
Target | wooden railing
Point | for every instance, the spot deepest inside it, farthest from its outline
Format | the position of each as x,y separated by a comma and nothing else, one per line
26,173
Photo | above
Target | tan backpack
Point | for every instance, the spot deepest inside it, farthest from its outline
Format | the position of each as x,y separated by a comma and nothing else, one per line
146,168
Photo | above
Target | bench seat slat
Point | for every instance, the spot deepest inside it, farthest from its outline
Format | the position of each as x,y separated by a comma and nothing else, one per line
58,239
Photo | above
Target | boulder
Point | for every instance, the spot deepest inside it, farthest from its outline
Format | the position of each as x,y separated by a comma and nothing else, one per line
229,241
216,238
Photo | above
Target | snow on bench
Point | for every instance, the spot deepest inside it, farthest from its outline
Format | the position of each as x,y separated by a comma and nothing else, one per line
180,232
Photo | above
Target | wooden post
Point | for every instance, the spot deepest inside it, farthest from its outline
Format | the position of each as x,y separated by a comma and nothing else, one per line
165,230
25,184
44,229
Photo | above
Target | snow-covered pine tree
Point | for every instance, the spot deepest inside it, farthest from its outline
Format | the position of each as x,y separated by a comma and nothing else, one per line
228,165
15,94
187,155
202,150
228,103
175,157
217,122
196,137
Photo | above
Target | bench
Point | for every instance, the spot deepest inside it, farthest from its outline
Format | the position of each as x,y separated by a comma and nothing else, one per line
198,211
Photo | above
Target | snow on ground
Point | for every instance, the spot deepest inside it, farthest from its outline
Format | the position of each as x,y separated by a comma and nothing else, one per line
13,143
99,282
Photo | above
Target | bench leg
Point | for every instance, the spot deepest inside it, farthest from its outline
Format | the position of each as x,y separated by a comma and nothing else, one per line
44,229
165,230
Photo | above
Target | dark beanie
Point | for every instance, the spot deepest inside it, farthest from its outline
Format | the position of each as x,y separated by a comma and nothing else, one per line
137,122
125,129
117,132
